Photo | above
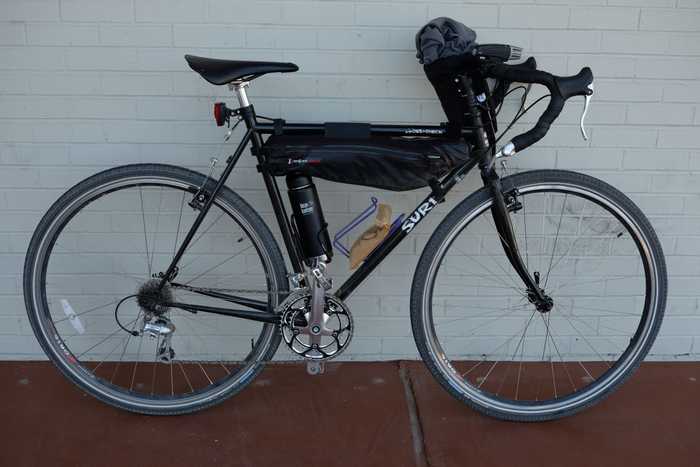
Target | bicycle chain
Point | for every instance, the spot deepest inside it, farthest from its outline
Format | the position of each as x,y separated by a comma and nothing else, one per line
238,291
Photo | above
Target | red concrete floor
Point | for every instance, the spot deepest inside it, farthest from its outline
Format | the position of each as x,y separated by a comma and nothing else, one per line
356,414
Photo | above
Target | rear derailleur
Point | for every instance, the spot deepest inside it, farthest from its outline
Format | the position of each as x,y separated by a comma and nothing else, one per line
156,327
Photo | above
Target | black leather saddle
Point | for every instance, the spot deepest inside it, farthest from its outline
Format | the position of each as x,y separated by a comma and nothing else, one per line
218,71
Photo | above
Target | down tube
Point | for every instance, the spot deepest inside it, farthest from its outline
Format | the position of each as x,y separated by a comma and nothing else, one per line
386,247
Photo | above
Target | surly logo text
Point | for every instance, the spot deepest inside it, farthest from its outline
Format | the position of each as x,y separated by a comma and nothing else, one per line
418,215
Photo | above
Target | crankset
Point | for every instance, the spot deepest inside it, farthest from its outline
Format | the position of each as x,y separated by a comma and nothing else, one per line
316,341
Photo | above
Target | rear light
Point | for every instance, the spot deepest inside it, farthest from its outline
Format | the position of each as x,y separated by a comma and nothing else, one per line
221,113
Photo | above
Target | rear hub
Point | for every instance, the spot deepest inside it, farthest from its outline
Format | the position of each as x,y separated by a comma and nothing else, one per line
151,297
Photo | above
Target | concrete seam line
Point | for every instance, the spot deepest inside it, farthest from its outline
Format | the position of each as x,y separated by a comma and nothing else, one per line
414,418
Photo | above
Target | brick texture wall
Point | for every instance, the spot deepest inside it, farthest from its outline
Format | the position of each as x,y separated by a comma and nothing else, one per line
89,84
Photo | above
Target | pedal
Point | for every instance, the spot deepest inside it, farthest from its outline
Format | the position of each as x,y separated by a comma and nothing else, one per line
315,368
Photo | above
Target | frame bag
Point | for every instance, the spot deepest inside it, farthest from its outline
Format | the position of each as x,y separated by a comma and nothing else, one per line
389,163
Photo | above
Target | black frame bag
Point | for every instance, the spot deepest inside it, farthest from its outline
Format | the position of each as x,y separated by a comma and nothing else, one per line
389,163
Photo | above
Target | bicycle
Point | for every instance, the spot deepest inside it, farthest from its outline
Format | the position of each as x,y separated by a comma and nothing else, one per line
534,298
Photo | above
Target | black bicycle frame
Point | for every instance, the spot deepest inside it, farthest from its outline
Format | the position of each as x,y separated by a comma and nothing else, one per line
483,155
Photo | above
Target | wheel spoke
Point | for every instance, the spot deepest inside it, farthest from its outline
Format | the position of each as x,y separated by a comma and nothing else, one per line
194,242
185,375
145,236
179,222
155,367
585,339
136,363
503,344
218,264
491,273
114,302
578,319
596,281
556,348
556,238
118,330
126,344
571,244
155,232
527,256
509,310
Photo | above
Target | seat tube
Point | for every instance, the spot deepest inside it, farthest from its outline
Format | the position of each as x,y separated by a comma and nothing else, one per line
247,112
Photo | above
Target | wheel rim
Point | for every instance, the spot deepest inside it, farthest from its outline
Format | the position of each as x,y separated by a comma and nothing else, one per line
198,389
475,384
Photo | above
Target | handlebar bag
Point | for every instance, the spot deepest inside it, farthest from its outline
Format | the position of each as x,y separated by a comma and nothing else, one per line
441,45
441,38
389,163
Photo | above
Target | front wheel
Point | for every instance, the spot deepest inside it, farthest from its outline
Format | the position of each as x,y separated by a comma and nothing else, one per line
589,248
91,286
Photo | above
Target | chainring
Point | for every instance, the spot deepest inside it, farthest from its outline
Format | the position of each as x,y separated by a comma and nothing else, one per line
337,333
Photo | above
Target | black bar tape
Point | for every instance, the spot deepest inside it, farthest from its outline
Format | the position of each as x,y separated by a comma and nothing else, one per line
560,89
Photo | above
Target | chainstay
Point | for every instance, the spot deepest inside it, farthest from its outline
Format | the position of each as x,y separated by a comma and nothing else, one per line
220,290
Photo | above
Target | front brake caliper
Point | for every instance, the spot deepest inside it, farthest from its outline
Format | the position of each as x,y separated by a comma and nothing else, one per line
511,200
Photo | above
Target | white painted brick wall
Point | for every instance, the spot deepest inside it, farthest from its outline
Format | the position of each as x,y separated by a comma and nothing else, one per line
89,84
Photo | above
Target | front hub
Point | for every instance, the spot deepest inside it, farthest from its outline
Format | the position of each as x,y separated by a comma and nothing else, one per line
543,302
544,306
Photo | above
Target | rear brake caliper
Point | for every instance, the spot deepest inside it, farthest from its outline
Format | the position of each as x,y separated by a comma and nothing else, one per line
202,195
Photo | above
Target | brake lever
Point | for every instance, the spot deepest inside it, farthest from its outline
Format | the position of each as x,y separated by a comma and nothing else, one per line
586,103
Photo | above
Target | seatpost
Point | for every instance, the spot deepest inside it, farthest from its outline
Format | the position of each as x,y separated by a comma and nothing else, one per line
247,113
239,87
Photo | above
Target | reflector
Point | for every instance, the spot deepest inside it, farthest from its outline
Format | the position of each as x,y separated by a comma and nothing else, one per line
220,113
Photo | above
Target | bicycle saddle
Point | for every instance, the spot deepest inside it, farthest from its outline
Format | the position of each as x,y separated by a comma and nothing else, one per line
218,71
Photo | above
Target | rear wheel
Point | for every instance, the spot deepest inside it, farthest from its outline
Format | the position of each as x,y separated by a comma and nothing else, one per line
91,283
590,249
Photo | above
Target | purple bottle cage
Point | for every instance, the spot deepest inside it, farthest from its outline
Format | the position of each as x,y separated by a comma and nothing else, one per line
371,209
